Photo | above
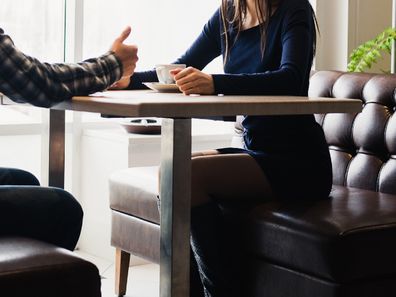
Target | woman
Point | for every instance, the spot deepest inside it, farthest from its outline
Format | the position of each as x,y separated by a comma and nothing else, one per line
267,48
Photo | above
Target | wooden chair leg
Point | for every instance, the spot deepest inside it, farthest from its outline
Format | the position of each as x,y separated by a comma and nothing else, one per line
121,271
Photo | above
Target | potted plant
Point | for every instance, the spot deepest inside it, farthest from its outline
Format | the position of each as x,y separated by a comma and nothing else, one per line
368,53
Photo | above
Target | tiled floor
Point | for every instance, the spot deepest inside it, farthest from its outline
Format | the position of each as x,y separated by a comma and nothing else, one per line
143,280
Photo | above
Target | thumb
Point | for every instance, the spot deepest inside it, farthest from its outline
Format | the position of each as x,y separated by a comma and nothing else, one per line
124,35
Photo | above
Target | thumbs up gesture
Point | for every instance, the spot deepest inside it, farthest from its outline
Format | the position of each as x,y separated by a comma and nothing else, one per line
127,54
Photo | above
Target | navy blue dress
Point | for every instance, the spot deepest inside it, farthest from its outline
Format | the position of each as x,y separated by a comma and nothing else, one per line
291,149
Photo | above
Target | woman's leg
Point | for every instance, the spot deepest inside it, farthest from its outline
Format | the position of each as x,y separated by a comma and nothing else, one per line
227,177
221,177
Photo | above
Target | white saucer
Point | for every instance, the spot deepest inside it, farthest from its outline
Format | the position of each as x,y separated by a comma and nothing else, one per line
160,87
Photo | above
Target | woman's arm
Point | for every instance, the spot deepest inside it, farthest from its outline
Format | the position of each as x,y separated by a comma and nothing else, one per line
204,49
296,61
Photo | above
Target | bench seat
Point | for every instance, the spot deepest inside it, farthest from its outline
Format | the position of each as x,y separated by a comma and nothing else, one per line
343,246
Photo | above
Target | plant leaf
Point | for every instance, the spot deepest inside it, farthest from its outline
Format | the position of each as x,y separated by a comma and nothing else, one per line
368,53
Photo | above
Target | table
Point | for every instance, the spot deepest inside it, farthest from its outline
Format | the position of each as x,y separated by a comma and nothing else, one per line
178,110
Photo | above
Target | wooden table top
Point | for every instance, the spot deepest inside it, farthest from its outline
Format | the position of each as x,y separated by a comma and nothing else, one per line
147,103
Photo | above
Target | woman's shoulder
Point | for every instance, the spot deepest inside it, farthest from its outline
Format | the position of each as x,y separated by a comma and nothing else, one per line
291,12
215,20
289,9
295,4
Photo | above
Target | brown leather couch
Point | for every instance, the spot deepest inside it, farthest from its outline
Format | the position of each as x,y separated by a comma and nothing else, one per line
30,267
341,247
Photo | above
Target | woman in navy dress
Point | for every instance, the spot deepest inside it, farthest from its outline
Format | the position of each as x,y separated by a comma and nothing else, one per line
267,48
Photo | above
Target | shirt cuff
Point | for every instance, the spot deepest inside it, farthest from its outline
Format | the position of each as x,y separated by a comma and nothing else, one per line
115,64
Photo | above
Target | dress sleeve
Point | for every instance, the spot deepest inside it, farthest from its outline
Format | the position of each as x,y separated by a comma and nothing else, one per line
25,79
204,49
296,61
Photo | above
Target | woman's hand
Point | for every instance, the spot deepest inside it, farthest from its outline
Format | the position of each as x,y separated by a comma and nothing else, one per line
193,81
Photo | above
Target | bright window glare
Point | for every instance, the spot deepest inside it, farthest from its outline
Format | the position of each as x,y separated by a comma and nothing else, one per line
36,27
163,30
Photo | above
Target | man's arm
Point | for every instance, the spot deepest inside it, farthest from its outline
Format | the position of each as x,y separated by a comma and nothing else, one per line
25,79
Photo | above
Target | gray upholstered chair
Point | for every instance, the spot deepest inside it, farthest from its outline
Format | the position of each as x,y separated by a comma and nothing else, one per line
341,247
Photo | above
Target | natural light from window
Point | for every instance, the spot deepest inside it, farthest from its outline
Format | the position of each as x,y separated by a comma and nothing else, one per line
162,29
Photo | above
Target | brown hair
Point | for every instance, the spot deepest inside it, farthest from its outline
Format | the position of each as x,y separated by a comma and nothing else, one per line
233,13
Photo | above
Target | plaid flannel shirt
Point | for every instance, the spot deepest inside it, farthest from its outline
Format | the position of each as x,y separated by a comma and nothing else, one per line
25,79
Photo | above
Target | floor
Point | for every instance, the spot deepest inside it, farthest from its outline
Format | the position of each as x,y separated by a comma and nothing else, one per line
143,280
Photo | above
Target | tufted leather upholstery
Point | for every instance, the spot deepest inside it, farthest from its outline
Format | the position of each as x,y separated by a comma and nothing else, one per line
340,247
363,146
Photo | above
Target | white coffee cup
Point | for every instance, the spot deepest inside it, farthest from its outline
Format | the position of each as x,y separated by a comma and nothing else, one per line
163,74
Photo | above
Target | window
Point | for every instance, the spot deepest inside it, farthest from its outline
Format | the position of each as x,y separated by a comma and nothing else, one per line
163,30
37,28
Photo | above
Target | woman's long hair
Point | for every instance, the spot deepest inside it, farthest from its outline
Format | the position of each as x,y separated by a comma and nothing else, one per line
233,13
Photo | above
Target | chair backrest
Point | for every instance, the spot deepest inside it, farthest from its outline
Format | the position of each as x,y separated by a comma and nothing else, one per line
362,146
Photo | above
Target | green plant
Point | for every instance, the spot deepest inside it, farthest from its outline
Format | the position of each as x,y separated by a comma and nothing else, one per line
368,53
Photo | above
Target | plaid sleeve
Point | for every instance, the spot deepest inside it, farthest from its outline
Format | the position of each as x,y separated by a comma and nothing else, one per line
25,79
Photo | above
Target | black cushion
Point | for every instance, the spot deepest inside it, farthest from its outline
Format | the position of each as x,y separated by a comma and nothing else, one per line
350,236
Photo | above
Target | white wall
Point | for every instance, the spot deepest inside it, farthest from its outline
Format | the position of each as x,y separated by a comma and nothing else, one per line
332,50
367,19
345,24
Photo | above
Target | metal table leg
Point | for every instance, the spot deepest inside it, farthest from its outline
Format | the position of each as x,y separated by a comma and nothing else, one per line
175,208
56,171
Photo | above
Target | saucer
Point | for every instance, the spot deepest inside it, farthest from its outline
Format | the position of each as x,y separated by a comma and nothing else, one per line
142,125
160,87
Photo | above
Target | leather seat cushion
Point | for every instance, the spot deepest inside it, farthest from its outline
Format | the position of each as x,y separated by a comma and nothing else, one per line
350,236
33,268
326,238
277,281
134,191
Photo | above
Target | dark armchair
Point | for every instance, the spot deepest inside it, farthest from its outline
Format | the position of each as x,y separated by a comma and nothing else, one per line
39,228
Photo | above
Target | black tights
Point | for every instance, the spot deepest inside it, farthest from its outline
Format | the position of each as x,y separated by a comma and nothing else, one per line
217,256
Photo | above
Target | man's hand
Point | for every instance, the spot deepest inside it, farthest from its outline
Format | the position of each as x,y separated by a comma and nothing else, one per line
127,54
122,84
193,81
